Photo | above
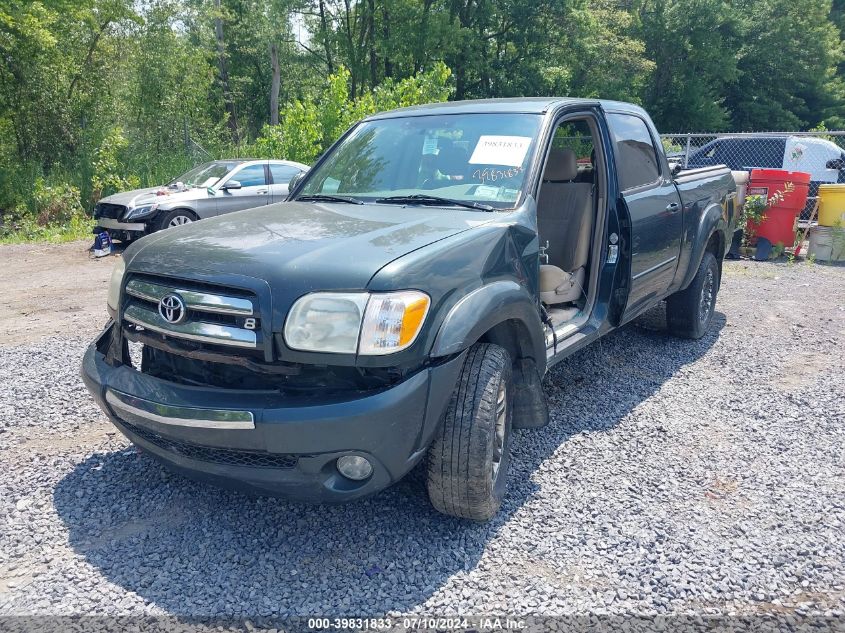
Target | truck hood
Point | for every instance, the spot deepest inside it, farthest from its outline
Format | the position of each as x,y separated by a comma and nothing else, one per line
138,197
298,247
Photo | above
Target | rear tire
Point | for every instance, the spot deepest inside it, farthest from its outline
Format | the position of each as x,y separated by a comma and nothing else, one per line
689,312
469,458
177,217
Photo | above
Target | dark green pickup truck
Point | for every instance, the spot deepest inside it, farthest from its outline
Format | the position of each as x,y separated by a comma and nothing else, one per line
405,302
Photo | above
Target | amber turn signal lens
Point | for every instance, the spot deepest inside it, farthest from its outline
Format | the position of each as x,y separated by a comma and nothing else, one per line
392,321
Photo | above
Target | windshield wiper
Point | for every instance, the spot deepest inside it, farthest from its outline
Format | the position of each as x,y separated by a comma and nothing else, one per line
321,197
422,198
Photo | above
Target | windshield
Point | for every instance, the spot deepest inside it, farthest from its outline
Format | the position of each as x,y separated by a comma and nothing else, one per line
469,157
206,175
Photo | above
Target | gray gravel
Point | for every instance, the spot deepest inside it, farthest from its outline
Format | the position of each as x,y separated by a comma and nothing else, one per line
677,477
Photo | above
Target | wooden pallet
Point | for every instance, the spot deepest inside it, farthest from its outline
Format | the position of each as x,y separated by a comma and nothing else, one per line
804,230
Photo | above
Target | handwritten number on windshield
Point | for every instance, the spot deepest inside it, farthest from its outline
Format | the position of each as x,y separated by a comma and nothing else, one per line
492,175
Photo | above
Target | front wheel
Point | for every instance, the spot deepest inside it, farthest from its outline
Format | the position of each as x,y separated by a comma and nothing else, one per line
177,217
469,457
689,312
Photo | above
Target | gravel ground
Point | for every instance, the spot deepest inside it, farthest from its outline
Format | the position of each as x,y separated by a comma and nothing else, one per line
676,477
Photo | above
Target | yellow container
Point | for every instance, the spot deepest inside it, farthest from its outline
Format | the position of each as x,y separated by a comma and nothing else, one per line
831,204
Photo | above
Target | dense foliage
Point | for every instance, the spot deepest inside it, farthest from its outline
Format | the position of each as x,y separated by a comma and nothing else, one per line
97,95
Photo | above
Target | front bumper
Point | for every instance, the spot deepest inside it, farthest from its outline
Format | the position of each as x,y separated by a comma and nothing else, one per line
117,225
268,443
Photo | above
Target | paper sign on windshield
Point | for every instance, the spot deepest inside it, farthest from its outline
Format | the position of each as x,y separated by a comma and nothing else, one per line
500,150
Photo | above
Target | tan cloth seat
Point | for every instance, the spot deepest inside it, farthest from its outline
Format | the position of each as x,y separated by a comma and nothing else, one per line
565,220
559,286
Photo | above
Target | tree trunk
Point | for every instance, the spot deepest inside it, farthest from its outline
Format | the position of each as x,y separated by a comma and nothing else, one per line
422,37
371,36
324,32
224,74
275,84
353,26
385,34
463,11
91,48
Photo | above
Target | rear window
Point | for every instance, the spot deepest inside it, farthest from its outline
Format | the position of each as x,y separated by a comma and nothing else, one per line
636,157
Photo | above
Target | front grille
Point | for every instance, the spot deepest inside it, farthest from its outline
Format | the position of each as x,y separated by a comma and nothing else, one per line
106,210
214,455
211,315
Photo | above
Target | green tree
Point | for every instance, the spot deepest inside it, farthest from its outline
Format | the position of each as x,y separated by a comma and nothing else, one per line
693,45
309,126
609,60
165,95
59,63
788,64
156,85
264,65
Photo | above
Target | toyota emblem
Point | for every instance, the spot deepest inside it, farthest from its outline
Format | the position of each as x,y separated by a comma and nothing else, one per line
171,307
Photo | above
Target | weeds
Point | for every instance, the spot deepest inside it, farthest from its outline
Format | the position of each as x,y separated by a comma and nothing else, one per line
77,228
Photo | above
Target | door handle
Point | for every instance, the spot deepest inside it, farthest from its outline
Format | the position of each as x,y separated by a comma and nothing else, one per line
261,191
673,207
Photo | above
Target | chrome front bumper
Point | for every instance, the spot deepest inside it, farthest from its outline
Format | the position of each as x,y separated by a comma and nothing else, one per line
117,225
194,417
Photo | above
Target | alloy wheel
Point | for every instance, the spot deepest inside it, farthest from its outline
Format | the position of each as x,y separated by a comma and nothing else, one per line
179,220
501,427
705,307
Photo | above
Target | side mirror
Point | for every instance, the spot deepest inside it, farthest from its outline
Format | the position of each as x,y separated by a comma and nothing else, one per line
232,184
836,163
293,182
677,168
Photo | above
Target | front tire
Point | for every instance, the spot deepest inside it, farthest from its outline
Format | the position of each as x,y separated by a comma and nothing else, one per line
469,458
177,217
689,312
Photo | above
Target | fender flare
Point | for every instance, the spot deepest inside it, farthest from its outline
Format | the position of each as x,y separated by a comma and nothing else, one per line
711,222
483,309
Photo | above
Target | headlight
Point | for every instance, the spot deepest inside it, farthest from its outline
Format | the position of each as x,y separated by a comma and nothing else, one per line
392,321
369,324
115,282
326,322
140,212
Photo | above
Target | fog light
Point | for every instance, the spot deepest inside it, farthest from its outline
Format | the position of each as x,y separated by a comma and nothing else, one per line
354,467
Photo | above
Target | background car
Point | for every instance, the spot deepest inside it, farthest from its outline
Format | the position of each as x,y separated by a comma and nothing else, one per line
215,188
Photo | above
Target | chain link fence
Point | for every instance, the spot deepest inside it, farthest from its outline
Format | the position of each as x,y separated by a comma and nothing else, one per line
821,154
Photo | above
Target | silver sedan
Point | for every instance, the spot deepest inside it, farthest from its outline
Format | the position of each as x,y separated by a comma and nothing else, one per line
218,187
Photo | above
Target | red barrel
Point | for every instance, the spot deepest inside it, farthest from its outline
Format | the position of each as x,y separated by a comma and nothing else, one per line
777,225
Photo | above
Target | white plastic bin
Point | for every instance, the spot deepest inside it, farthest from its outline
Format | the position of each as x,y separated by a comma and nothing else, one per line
741,180
827,244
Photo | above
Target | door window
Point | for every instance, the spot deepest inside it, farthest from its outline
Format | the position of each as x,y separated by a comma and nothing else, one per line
636,158
283,173
252,176
576,137
751,153
742,154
